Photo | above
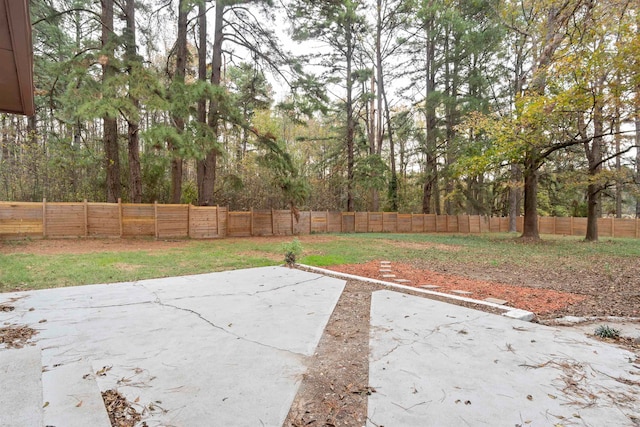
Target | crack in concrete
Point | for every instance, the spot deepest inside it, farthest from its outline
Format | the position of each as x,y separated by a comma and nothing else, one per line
210,323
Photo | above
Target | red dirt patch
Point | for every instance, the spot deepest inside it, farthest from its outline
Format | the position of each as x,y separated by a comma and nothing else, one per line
536,300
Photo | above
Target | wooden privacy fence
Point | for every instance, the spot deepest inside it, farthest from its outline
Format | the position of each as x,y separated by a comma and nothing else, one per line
64,220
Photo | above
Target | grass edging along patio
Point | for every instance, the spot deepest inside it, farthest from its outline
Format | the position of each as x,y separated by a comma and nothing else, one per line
514,313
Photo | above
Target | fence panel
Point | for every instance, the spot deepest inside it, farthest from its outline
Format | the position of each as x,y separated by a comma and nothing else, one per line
417,223
319,222
283,222
334,224
404,223
138,220
239,225
389,222
103,220
375,222
172,221
204,222
463,223
546,225
626,228
303,226
361,222
579,226
21,220
65,220
350,221
262,223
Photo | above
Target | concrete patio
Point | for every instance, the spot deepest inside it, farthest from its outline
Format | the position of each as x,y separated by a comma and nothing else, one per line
230,349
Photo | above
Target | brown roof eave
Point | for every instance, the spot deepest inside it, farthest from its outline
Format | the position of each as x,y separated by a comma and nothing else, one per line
19,22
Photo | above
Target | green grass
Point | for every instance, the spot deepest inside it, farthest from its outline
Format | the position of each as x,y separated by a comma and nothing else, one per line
29,271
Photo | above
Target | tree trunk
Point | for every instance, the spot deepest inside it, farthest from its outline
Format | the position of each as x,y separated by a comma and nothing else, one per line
430,196
594,158
207,167
530,229
514,196
204,166
637,124
350,117
135,174
110,125
181,65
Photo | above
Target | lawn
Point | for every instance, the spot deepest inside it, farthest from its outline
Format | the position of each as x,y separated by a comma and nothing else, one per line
41,264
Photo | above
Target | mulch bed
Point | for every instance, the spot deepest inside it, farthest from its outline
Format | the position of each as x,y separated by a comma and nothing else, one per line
537,300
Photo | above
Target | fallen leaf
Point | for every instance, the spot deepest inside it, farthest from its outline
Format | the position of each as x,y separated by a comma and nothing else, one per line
79,404
45,404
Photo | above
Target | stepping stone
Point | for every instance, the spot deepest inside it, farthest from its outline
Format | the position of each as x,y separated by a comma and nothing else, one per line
388,276
385,270
496,300
459,292
402,280
385,262
429,286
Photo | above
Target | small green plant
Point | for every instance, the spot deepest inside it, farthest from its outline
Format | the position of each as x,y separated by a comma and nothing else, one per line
291,252
604,331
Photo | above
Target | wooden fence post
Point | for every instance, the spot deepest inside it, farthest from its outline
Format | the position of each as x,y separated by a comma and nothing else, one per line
310,221
326,221
368,222
251,223
613,227
273,223
570,225
292,217
44,217
120,215
86,218
155,218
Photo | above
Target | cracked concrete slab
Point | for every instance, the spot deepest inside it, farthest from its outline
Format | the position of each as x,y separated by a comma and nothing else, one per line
436,364
220,349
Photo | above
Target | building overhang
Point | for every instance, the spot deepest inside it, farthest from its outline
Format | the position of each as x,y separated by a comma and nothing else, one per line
16,58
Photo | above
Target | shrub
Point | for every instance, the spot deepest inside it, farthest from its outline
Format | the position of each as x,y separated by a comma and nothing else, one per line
604,331
291,252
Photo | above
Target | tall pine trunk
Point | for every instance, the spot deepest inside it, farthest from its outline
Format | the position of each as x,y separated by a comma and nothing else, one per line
206,166
135,174
181,65
350,136
110,124
430,196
